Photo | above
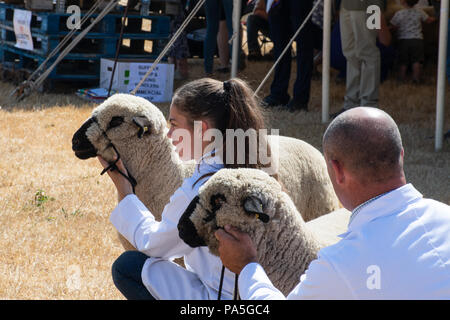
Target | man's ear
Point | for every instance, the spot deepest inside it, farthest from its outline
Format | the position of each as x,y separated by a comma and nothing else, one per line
338,170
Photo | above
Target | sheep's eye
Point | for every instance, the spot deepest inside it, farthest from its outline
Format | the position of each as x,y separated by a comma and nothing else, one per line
216,201
115,122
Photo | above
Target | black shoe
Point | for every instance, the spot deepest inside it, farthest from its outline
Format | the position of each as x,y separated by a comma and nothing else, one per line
271,101
294,106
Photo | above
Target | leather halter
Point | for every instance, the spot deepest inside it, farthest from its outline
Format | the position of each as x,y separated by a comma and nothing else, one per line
113,165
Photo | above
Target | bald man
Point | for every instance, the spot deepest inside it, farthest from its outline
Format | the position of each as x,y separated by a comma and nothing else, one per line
398,243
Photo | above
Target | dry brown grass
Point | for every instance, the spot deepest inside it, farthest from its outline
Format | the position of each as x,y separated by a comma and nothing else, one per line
41,241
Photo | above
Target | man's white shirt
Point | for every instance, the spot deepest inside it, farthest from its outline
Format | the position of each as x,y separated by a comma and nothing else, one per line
397,247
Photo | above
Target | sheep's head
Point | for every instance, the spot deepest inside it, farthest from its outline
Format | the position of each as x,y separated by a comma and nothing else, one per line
248,199
117,120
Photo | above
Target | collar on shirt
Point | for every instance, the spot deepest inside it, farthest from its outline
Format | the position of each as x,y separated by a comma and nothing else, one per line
209,162
382,205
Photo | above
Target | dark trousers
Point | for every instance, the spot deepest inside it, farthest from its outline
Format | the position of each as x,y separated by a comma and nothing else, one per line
212,10
255,24
126,274
284,20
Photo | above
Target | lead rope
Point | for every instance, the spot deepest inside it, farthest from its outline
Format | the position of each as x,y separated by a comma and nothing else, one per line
221,282
113,166
236,288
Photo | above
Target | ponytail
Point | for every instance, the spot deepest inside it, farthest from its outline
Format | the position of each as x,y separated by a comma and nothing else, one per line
226,105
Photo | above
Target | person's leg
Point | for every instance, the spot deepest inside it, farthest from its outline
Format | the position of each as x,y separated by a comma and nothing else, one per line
126,274
402,59
417,59
305,53
280,33
183,67
402,72
228,9
417,72
368,53
353,80
212,11
222,44
166,280
337,59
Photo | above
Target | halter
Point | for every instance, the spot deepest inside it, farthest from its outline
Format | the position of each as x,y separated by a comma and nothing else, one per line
113,165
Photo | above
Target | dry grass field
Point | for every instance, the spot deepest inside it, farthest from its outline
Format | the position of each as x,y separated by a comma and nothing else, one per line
55,238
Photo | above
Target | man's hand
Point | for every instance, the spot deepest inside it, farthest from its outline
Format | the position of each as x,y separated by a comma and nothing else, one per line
236,249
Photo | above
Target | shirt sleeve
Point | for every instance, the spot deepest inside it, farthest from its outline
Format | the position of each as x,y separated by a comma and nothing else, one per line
156,239
395,19
254,284
423,15
320,281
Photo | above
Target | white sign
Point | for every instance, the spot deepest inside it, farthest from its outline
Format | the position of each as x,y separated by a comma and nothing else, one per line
22,21
158,87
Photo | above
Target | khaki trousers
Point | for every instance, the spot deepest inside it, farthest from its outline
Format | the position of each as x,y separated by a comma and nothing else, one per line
363,59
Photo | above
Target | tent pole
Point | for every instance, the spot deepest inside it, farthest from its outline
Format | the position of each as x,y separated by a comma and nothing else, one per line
326,61
441,81
236,37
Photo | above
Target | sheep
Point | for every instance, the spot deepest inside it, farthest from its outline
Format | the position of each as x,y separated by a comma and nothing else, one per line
254,202
138,131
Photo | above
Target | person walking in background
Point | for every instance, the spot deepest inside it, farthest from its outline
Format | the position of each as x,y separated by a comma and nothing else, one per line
285,17
384,44
361,52
408,25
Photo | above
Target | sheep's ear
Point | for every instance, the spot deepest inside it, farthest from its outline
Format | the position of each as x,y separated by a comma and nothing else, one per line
253,205
144,125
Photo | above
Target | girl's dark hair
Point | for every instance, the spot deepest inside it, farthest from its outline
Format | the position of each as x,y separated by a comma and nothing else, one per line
227,105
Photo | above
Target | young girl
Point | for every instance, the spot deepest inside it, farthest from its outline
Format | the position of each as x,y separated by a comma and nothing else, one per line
149,273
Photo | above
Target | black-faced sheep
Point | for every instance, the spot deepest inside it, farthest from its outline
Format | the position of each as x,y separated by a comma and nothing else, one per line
253,202
138,131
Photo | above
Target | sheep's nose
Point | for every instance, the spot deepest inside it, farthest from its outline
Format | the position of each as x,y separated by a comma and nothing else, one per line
186,228
75,141
81,145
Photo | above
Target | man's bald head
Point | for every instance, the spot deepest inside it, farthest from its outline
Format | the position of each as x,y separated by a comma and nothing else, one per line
367,142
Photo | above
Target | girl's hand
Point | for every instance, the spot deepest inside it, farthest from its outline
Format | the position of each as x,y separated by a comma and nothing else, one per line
123,186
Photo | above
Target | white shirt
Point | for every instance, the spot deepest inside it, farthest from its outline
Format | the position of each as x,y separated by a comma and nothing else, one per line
397,247
161,240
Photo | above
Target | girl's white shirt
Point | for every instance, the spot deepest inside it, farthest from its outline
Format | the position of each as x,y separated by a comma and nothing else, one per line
161,240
